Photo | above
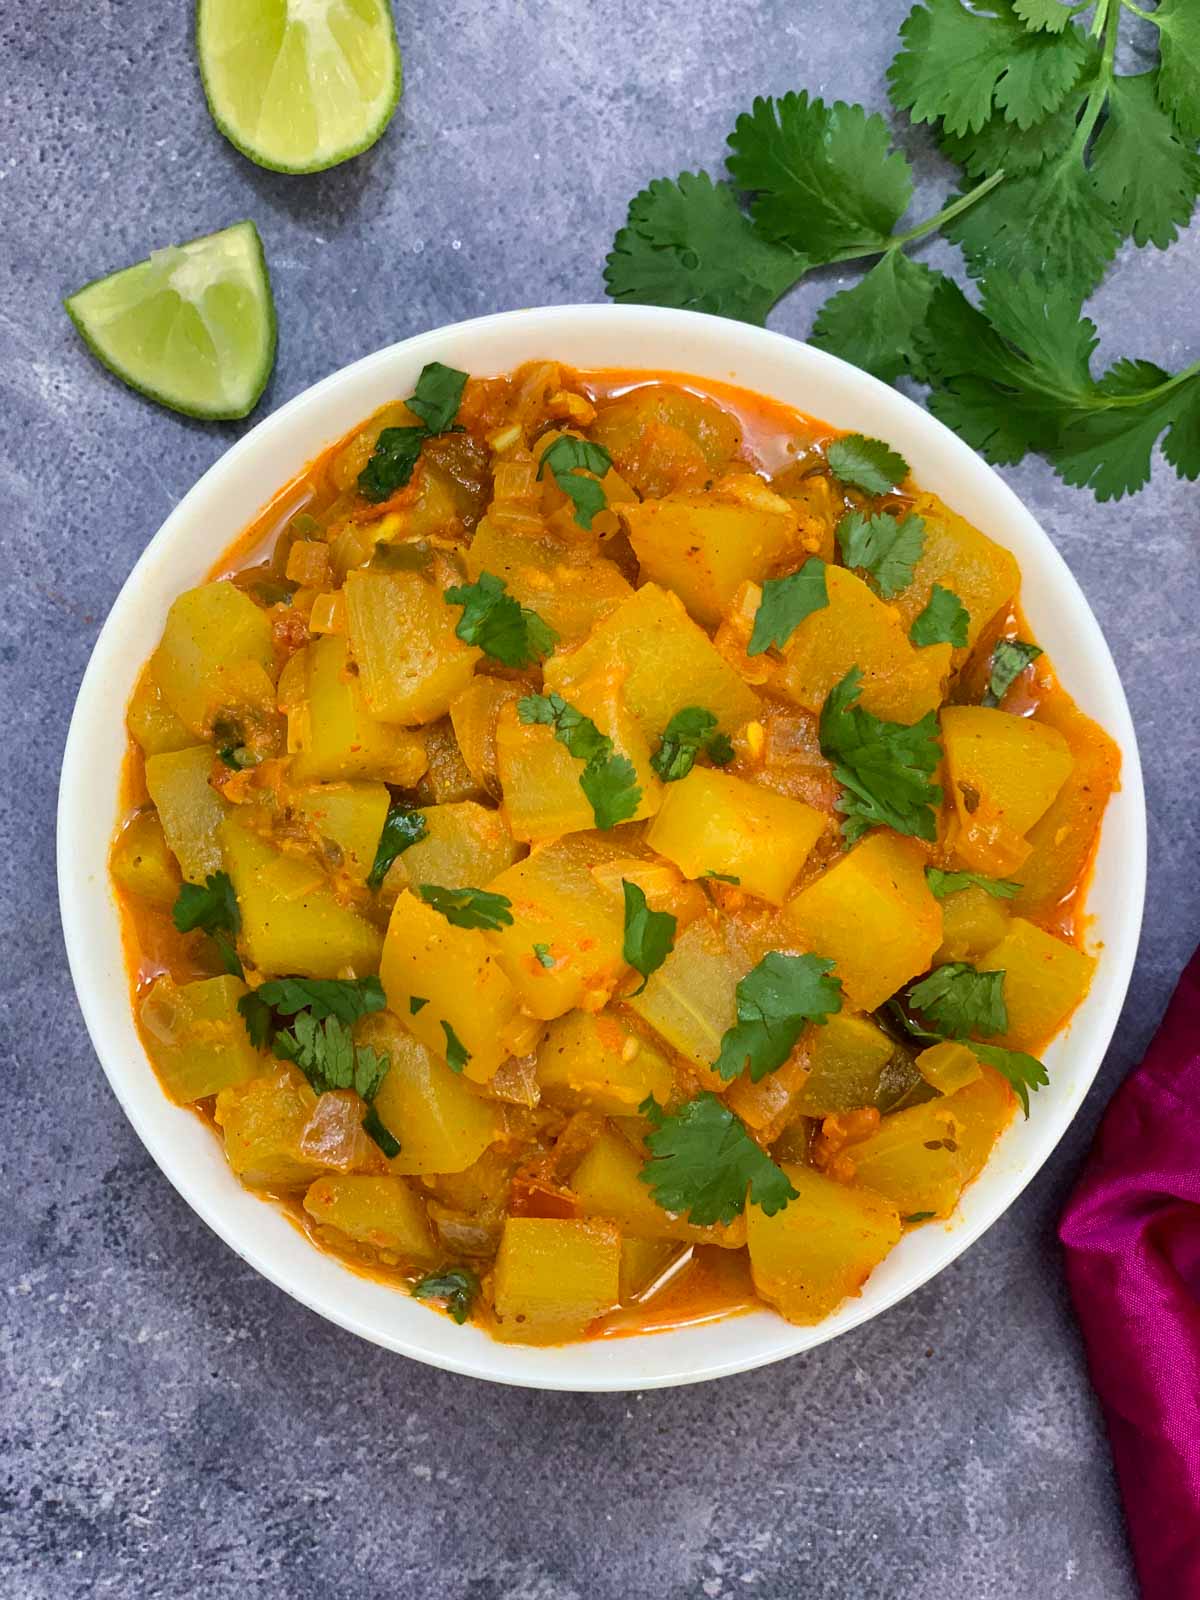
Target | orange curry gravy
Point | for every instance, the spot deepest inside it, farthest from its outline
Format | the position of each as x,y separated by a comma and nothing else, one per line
701,1283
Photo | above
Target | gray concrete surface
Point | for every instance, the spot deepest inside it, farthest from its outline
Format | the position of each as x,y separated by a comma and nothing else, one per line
173,1427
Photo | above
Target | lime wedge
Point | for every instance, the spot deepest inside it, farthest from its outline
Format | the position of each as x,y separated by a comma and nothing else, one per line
193,327
299,85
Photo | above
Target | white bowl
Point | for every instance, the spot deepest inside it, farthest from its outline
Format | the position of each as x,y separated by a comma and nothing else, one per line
219,507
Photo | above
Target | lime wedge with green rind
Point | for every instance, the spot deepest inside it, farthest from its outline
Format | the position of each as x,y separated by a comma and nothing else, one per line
299,85
192,327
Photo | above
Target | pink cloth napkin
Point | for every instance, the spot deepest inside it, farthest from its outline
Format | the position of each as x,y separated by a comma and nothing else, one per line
1132,1236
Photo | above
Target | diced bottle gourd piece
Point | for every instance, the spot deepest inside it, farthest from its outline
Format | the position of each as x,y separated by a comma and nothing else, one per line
711,821
442,1125
216,658
447,777
1044,980
599,1062
873,915
972,921
607,1183
949,1066
703,546
152,722
539,776
768,1105
857,629
427,959
846,1061
411,663
642,1261
292,922
1003,772
914,1158
142,862
807,1258
983,575
661,438
984,1108
189,808
669,661
554,1277
465,847
690,999
1063,838
346,820
474,716
263,1121
357,451
569,588
381,1212
558,903
196,1037
331,732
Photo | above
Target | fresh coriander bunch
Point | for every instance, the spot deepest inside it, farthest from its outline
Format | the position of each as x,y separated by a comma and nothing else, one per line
1062,157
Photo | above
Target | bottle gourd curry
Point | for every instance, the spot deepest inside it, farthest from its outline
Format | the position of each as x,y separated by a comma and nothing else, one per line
604,851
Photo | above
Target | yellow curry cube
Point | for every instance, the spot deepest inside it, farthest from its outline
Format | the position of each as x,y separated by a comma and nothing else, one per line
189,808
806,1259
972,921
607,1183
142,862
554,1277
711,821
216,657
846,1061
331,732
152,722
873,915
465,846
669,662
411,662
263,1121
569,588
585,1060
690,999
292,922
441,1123
382,1212
983,575
196,1037
1002,769
1044,980
437,975
346,820
703,546
948,1066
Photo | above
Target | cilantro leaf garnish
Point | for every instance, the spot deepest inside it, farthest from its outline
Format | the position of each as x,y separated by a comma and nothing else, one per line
401,827
649,935
326,1054
944,620
721,877
885,767
775,1001
469,908
416,1002
887,548
544,958
866,464
689,731
212,907
957,63
703,1162
436,401
688,244
608,780
875,322
1024,1072
347,999
1143,168
457,1286
785,604
438,396
502,628
457,1054
957,1000
825,180
942,883
1179,76
568,458
1009,660
375,1128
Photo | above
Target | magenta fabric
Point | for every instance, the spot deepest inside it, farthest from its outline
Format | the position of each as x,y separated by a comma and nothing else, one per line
1132,1236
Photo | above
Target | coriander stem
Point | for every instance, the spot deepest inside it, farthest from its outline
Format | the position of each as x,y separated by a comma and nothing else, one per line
1146,16
948,213
1109,18
1160,391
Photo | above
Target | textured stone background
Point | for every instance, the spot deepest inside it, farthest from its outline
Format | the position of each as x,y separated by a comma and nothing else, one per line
172,1426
